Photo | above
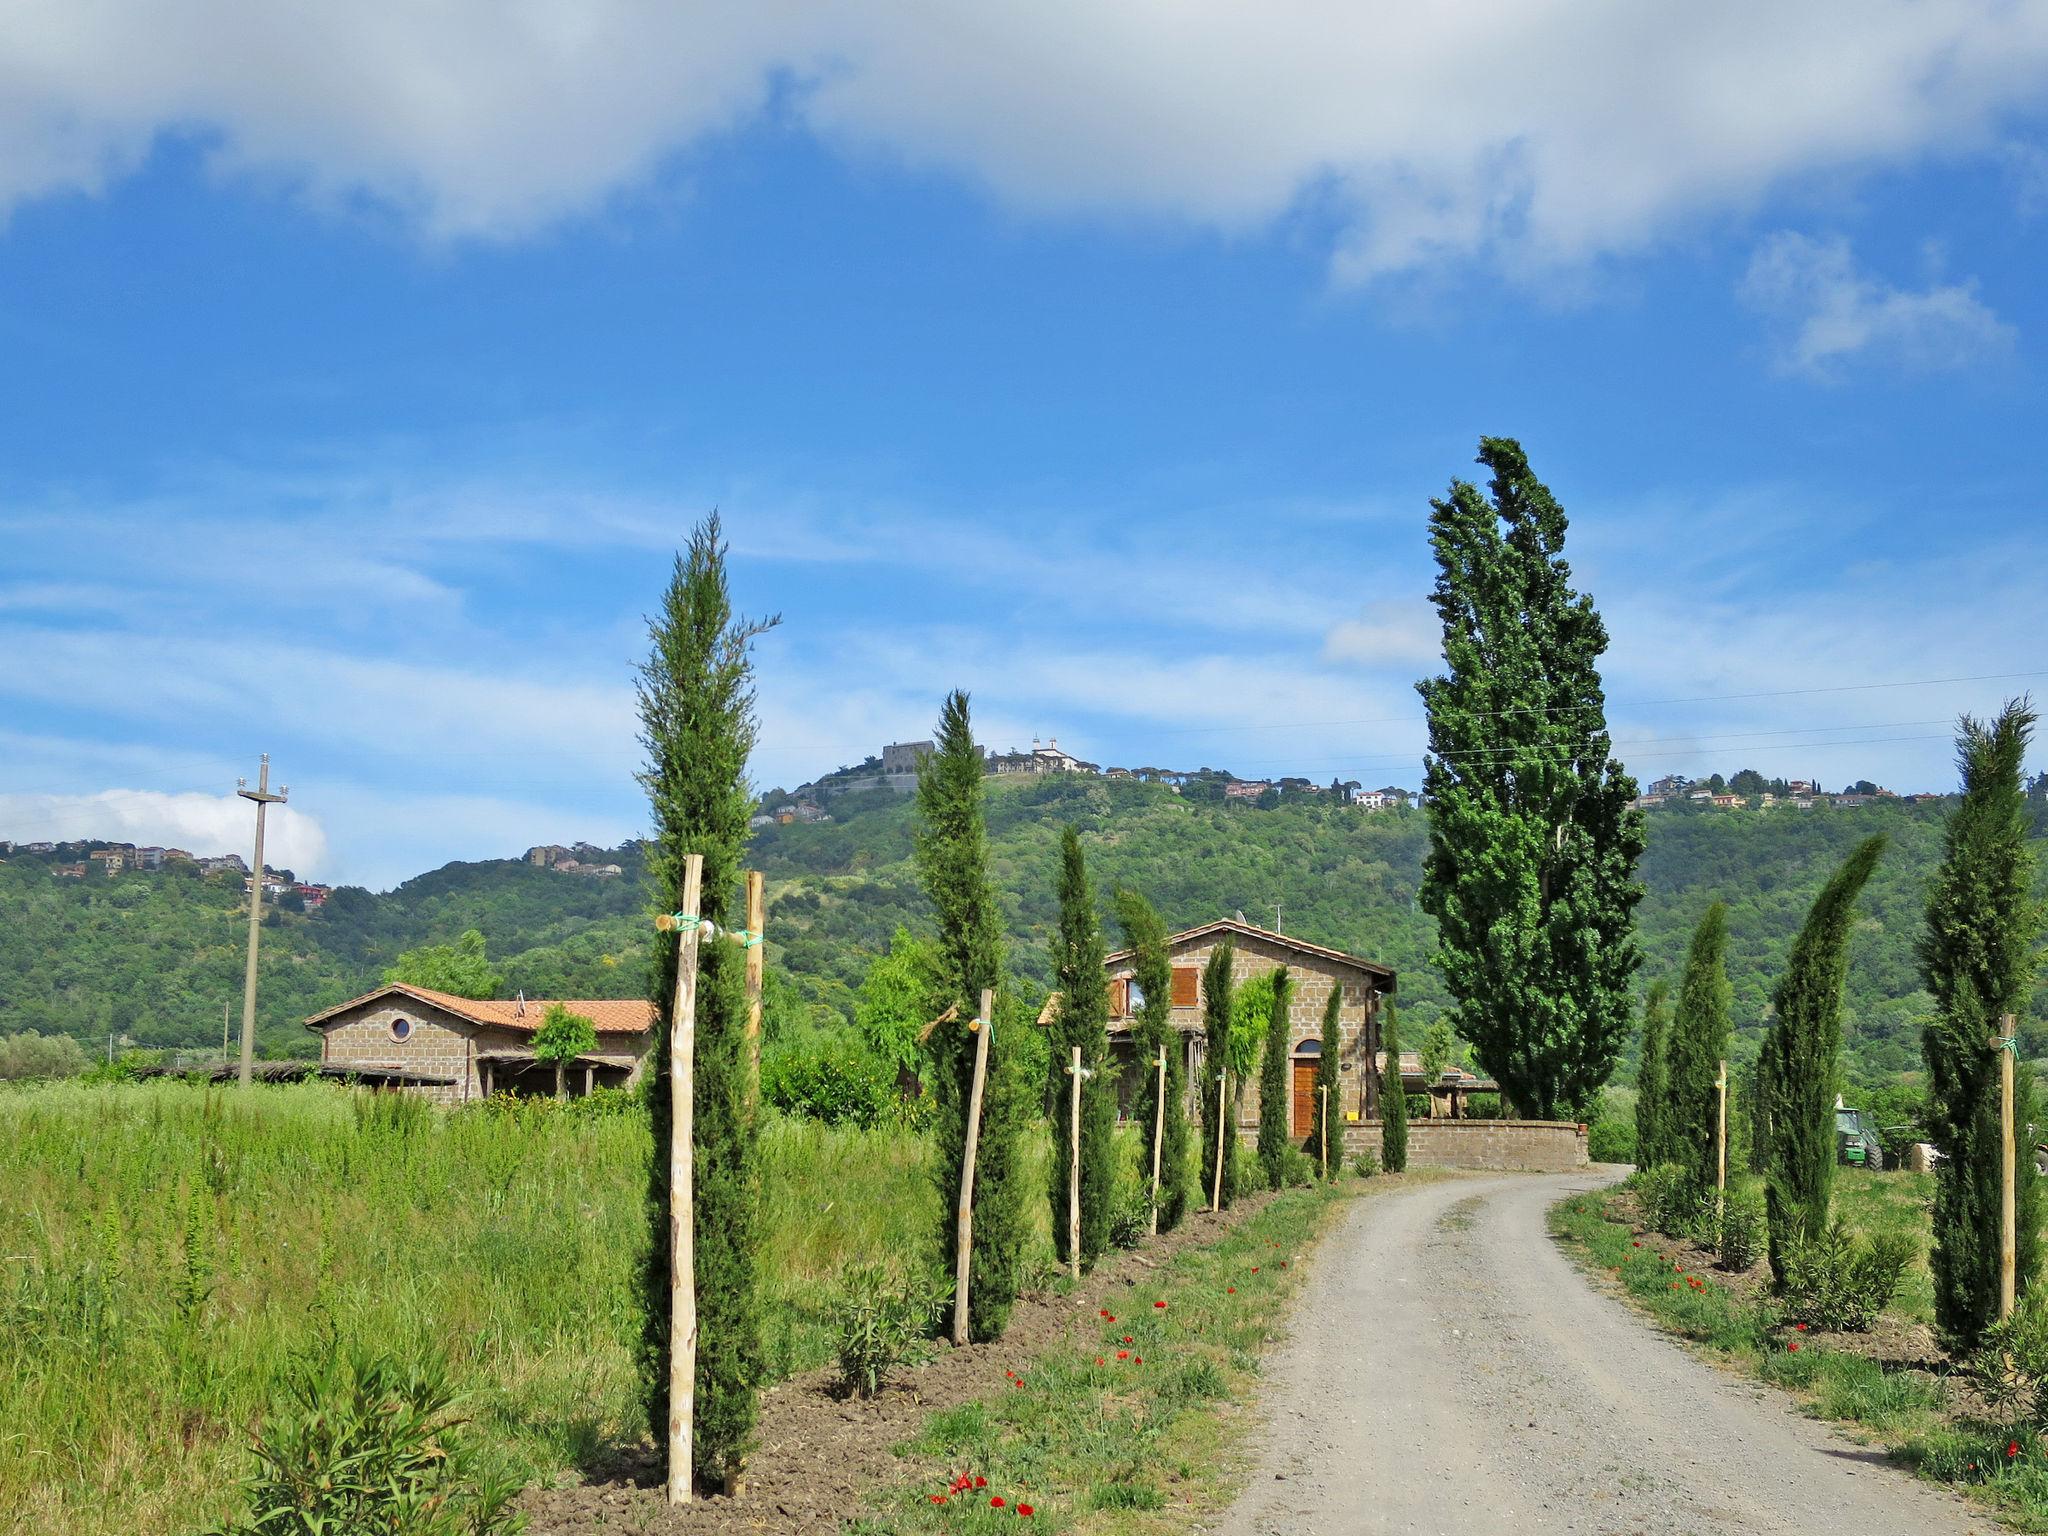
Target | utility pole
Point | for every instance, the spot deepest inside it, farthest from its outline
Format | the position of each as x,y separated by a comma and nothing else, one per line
225,1004
264,800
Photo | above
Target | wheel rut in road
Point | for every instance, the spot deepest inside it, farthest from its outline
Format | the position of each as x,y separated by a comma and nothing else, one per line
1449,1371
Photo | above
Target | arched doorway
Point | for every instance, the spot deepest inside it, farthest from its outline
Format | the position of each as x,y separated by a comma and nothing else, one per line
1308,1057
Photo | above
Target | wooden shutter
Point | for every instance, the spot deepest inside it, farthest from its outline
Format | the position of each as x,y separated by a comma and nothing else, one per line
1186,986
1119,997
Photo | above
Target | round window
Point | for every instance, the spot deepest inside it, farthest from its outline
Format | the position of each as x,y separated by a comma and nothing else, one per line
401,1030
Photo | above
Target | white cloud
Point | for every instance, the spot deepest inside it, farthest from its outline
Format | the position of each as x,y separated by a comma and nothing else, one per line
1523,128
201,824
1404,634
1830,310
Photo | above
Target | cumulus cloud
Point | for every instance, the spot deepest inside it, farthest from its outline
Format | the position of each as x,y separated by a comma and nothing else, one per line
1829,310
200,824
1520,128
1405,634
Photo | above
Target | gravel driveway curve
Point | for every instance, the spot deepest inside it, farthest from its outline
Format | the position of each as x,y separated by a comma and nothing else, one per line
1450,1372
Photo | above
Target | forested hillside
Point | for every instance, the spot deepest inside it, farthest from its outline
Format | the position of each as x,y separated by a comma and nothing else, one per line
153,956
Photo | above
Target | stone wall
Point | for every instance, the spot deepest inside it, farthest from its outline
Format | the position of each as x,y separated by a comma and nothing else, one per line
1539,1146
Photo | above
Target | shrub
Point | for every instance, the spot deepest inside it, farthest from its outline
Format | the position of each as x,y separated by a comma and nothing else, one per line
882,1321
1740,1235
1366,1164
1129,1221
1670,1202
1296,1167
1611,1139
1839,1282
2011,1362
365,1443
838,1081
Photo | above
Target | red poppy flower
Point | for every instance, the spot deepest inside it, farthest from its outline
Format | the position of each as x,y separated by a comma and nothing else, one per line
1127,1338
1139,1361
1801,1327
1635,1245
2012,1449
1283,1263
1025,1510
1233,1290
1255,1269
1123,1354
996,1502
938,1498
981,1482
1098,1359
1793,1347
1108,1316
1162,1305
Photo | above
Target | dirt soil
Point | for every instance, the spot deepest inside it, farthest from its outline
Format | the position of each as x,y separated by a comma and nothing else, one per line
1452,1372
820,1458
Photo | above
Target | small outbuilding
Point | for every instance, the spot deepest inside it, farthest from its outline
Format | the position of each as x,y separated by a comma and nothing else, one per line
455,1049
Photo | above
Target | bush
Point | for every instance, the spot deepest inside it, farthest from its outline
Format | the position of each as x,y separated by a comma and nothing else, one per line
1840,1283
1670,1204
1296,1167
368,1444
2011,1362
1366,1164
1611,1139
1739,1239
1130,1220
838,1081
882,1321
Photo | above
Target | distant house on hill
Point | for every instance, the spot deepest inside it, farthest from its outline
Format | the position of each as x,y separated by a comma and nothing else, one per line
455,1049
1313,969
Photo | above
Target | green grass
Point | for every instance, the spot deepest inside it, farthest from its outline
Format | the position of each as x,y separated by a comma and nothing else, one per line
165,1250
1894,1202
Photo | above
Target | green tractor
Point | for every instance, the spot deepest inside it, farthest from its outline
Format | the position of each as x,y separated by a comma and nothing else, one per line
1856,1140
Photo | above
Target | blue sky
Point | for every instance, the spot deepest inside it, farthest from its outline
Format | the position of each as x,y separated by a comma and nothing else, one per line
362,375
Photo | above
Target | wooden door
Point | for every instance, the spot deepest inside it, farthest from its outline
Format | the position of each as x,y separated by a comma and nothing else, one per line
1304,1096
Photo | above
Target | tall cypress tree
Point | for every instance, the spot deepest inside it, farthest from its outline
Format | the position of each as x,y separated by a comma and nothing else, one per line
1327,1105
952,858
1152,970
1698,1045
1651,1077
1393,1101
1275,1092
1082,1019
1978,956
1217,1119
1801,1061
1533,844
696,696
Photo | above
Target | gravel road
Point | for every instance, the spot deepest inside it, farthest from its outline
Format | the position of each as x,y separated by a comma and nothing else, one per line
1449,1371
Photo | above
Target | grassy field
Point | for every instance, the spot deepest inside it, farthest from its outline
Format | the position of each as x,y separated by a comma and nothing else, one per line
164,1250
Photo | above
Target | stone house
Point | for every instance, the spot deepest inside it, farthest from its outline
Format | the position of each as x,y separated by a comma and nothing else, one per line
456,1049
1313,969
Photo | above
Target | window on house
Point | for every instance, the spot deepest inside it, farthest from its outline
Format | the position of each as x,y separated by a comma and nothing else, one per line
401,1030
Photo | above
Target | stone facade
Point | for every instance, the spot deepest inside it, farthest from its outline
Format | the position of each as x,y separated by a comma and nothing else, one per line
1533,1146
440,1042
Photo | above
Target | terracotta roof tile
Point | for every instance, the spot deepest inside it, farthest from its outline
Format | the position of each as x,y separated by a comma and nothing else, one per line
612,1016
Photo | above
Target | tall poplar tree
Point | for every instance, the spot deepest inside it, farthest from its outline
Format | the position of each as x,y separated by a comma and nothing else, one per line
1081,1019
1327,1105
1533,843
1275,1092
1978,956
1652,1077
1393,1100
1800,1065
1698,1046
952,859
1152,970
1217,1116
696,696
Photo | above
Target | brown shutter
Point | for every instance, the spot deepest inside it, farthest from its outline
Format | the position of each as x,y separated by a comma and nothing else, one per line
1186,986
1119,997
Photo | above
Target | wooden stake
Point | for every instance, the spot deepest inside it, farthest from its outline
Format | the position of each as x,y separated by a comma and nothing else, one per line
1158,1136
963,1229
2008,1191
1222,1130
1074,1169
1721,1130
682,1233
757,957
1323,1090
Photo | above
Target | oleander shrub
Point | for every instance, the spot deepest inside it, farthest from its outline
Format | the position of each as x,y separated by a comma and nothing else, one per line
1840,1282
2010,1363
1130,1220
881,1321
1739,1234
1366,1164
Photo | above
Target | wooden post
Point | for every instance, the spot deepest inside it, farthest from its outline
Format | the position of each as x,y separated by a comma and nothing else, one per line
1158,1136
963,1230
1074,1169
757,954
682,1227
1721,1131
1323,1091
2008,1192
1222,1130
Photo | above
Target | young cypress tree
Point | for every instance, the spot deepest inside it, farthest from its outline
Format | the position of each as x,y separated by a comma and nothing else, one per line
1533,843
1217,1118
696,697
1152,970
1651,1084
1327,1104
1275,1092
1082,1019
1801,1061
1698,1045
1978,957
1393,1100
952,859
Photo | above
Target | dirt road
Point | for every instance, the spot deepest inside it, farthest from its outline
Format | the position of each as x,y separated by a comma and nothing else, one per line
1450,1373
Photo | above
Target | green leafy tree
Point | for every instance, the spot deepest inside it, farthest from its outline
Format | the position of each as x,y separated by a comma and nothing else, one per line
1801,1063
1533,843
1081,1019
459,969
1152,970
1652,1080
1218,1019
1393,1100
1329,1111
952,857
1978,957
1434,1053
896,999
1275,1092
561,1038
696,697
1698,1046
